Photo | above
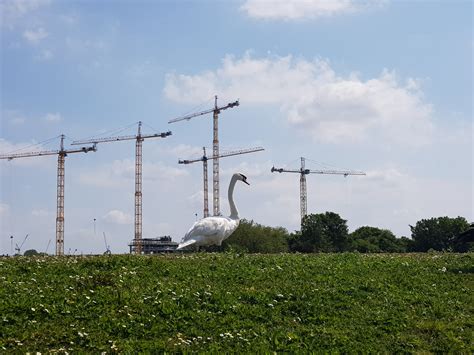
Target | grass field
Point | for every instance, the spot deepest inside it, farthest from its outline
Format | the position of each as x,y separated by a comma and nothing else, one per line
238,303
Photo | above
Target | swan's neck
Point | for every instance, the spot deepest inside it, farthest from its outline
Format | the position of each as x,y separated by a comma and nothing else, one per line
234,214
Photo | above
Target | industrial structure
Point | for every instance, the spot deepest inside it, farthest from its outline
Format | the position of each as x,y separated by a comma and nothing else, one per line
303,172
61,153
18,247
139,138
204,160
215,146
153,245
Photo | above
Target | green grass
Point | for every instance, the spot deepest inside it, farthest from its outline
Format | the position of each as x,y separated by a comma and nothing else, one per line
238,303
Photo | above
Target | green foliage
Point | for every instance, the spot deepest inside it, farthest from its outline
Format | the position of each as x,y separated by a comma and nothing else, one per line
375,240
254,238
407,244
437,233
30,252
325,232
238,303
465,241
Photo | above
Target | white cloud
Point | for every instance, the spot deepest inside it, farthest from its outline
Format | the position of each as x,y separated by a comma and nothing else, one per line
13,117
69,19
17,120
35,36
8,148
4,209
81,46
45,54
160,171
314,98
53,117
197,198
251,170
181,151
14,10
121,172
42,213
118,217
389,177
305,9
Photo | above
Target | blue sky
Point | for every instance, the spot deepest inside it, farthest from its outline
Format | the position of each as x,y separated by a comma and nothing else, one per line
379,86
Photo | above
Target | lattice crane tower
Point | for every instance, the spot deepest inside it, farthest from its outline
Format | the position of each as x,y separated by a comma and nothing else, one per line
61,153
139,138
204,160
215,146
303,172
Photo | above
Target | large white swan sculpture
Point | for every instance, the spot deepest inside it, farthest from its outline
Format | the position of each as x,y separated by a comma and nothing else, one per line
213,230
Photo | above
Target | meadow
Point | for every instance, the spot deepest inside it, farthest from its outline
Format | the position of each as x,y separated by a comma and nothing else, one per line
229,302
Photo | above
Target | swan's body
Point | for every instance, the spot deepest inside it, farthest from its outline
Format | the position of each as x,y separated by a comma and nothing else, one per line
214,230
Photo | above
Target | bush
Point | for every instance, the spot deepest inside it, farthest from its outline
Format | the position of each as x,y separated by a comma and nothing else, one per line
254,238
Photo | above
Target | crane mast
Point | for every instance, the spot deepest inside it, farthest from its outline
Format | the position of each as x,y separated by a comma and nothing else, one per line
303,172
138,191
205,184
303,194
204,160
215,147
215,162
60,201
61,153
139,138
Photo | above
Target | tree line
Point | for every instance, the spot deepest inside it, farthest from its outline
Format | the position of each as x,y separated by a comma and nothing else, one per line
328,233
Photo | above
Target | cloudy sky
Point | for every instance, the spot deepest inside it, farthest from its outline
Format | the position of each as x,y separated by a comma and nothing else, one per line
376,85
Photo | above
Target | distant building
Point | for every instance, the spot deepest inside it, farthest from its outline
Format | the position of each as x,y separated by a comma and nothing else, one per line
154,245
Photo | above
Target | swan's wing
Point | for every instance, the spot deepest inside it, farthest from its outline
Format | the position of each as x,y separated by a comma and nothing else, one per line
206,227
186,243
210,231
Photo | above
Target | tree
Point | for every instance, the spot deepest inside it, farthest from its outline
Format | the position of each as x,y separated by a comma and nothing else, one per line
325,232
437,233
407,244
255,238
375,240
30,252
465,240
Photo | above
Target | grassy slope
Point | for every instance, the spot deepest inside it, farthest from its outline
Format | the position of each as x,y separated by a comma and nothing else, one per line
219,302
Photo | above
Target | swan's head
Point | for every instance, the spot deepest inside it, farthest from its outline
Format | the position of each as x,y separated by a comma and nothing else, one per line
241,177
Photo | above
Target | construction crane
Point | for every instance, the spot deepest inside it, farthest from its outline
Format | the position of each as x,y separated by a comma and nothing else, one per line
18,248
107,247
204,160
303,172
215,146
47,247
139,138
61,153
